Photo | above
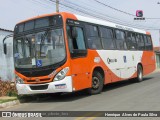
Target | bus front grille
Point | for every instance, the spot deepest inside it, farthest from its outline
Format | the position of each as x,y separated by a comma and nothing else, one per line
39,87
39,80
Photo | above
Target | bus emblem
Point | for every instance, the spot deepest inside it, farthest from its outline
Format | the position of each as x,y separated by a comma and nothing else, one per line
37,80
111,60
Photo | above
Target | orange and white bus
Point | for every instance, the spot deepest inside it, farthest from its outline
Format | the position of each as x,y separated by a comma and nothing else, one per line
64,52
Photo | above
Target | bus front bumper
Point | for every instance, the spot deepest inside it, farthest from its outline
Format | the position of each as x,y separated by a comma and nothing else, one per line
64,85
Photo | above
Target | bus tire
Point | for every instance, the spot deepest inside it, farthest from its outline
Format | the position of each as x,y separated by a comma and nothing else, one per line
97,83
139,73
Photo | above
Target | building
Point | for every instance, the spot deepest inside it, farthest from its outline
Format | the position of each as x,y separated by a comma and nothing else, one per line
6,61
157,54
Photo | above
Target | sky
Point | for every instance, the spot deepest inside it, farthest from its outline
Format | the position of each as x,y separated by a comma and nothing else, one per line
14,11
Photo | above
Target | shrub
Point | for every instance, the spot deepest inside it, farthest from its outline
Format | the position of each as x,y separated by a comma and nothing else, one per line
6,89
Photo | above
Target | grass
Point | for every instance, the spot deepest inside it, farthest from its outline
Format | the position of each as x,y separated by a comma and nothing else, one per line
7,100
10,96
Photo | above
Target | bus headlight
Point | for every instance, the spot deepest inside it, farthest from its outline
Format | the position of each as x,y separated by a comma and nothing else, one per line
19,80
62,74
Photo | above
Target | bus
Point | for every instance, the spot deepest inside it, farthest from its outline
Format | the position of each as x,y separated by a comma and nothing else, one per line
63,52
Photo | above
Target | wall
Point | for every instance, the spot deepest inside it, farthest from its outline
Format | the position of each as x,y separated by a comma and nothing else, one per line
6,61
158,60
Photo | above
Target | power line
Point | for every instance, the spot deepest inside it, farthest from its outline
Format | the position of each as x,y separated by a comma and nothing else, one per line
93,11
46,4
119,21
114,8
120,10
98,15
103,14
38,2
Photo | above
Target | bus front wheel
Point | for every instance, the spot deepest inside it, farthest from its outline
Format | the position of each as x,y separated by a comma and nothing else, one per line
97,83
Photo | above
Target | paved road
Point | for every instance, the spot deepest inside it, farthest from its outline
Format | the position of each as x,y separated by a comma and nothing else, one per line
121,96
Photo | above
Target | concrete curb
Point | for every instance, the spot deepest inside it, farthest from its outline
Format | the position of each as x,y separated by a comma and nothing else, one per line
16,102
9,104
23,100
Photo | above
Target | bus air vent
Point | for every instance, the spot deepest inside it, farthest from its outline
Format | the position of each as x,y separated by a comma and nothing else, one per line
39,87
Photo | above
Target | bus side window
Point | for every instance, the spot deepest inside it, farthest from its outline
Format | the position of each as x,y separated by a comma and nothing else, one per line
149,45
120,40
69,38
140,41
146,42
78,42
134,41
131,41
106,35
93,38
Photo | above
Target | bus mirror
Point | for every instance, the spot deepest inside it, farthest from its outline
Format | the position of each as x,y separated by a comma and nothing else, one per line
74,32
5,48
5,44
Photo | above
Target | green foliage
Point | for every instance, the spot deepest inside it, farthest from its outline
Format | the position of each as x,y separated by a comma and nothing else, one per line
11,94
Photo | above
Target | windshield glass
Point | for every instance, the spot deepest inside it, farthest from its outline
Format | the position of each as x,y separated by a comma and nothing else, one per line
39,49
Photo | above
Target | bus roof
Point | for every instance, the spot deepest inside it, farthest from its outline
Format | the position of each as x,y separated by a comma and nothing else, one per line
109,24
91,20
36,17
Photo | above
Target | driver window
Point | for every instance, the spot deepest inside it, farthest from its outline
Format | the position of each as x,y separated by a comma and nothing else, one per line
78,42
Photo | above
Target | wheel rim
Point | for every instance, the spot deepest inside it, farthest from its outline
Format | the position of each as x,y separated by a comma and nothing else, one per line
95,83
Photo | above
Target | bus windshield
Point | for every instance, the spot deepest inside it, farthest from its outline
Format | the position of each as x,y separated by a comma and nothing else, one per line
40,49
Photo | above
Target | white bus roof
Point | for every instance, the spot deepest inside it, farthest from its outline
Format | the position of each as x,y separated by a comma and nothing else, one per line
107,23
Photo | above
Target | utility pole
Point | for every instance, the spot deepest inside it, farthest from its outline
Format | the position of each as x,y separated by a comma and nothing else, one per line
57,5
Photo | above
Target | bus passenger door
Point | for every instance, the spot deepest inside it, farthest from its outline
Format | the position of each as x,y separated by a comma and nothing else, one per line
79,61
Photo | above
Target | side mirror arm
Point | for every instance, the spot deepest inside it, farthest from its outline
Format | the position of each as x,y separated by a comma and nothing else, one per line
4,44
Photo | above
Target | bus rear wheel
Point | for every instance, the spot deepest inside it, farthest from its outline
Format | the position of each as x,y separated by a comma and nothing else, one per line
139,73
97,83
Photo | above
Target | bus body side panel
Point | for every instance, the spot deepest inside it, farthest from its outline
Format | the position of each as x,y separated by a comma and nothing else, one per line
82,70
125,63
122,64
96,61
148,62
80,73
